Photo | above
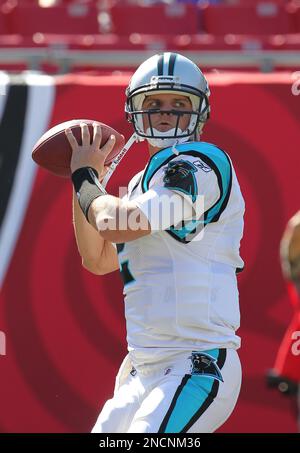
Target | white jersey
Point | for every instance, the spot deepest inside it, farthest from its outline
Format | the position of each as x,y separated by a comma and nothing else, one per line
180,282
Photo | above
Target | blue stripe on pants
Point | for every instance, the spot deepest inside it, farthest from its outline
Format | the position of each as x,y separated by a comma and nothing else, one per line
194,395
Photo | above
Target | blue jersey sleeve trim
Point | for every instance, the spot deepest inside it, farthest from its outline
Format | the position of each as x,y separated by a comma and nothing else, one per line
216,159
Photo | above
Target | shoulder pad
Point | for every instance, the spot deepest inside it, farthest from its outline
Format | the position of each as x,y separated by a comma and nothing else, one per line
179,175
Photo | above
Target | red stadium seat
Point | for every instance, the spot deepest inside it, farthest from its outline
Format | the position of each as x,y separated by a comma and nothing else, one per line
255,2
83,42
72,19
4,20
199,42
285,42
296,11
175,18
11,41
232,42
3,25
262,18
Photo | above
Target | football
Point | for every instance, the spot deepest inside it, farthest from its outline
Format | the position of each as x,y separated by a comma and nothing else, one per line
53,151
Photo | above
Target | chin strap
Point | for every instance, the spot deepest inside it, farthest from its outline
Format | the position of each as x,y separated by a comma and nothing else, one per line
174,150
160,142
118,158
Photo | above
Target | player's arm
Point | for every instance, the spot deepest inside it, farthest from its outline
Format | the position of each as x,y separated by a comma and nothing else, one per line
121,220
112,217
117,220
99,256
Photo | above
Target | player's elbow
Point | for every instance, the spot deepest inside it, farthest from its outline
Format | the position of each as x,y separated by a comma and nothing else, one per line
94,267
124,235
100,267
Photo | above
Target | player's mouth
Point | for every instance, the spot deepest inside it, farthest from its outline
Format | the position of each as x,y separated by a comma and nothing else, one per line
164,126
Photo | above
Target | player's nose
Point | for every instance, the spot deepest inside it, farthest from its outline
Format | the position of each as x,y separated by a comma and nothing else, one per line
165,107
166,111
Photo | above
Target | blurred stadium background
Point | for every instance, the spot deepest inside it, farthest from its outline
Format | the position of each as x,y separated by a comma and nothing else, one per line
62,333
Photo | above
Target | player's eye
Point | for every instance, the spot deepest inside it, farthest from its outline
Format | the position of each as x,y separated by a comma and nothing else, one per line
152,104
182,105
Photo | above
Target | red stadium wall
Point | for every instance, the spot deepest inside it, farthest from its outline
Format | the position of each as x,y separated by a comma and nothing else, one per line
64,328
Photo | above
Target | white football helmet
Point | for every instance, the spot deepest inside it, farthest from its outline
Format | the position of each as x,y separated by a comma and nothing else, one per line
168,73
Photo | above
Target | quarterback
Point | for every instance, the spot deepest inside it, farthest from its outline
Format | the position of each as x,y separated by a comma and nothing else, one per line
176,238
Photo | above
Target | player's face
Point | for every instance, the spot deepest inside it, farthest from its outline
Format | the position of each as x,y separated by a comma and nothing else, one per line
164,121
294,251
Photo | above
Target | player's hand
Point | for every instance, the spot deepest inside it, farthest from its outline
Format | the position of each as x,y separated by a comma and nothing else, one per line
89,154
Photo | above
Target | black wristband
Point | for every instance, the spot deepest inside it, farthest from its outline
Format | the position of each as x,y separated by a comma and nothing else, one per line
87,187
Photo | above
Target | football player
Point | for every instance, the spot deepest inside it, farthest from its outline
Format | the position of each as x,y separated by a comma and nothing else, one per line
178,234
285,376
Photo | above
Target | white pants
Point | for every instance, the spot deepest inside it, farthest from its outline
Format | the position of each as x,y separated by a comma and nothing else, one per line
193,393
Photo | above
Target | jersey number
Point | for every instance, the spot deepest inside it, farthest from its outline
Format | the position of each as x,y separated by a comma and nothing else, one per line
124,268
